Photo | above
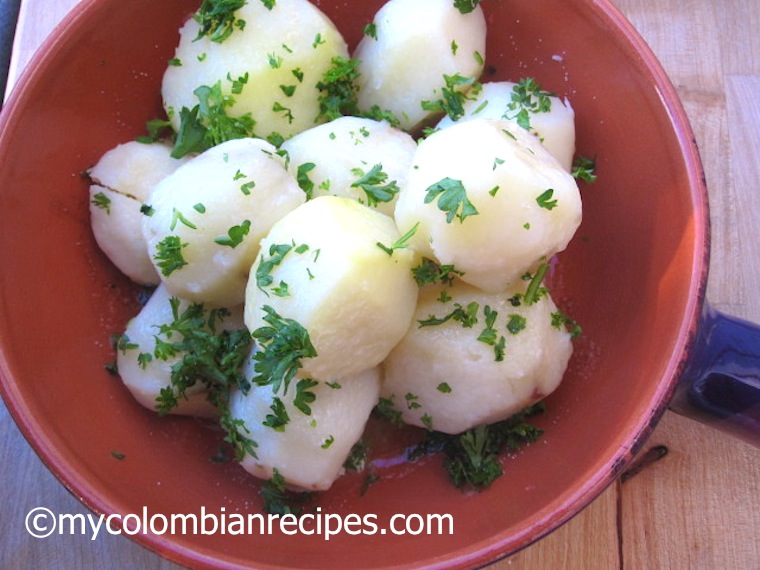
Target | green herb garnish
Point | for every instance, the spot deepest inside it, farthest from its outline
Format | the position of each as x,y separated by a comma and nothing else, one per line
451,198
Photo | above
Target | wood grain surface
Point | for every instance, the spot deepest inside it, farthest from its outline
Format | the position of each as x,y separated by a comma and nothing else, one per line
695,502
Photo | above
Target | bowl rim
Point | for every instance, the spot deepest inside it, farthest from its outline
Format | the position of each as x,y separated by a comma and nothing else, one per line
575,500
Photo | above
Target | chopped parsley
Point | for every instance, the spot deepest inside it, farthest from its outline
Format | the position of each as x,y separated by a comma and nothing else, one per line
207,356
304,395
490,335
584,168
100,200
338,89
279,500
279,418
283,344
156,128
544,200
370,30
375,185
235,235
453,96
388,410
429,272
535,291
451,199
217,19
208,124
466,6
169,256
277,252
527,99
400,243
467,316
560,320
516,323
304,182
472,457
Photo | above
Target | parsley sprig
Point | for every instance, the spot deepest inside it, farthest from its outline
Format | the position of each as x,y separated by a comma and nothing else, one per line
207,356
472,457
456,90
451,198
208,123
466,6
527,99
375,185
283,344
217,19
279,500
338,89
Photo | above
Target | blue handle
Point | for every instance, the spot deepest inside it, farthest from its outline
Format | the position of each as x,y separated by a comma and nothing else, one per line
721,384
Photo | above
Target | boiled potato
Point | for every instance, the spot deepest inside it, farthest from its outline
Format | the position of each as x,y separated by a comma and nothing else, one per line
210,214
355,158
323,267
310,449
489,199
144,374
270,68
456,375
416,43
550,118
121,181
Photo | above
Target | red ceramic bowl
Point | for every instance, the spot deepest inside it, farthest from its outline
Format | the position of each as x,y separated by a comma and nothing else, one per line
634,278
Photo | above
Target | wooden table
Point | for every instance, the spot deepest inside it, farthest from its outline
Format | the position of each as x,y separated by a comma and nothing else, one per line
698,507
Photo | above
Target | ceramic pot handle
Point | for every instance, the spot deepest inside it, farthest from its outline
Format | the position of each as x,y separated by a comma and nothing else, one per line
721,384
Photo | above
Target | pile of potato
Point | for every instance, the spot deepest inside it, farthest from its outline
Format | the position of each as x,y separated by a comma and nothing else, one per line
327,224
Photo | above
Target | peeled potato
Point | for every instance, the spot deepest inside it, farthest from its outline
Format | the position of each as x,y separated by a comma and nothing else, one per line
354,299
555,126
489,199
275,62
309,450
210,214
121,181
145,377
446,376
338,156
416,43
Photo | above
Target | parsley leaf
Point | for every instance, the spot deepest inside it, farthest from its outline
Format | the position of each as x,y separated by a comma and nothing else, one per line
466,316
100,200
429,272
453,96
206,356
217,20
169,256
283,344
584,169
279,418
374,186
208,124
527,99
338,89
279,500
466,6
235,235
472,457
277,252
304,396
452,199
304,182
545,200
